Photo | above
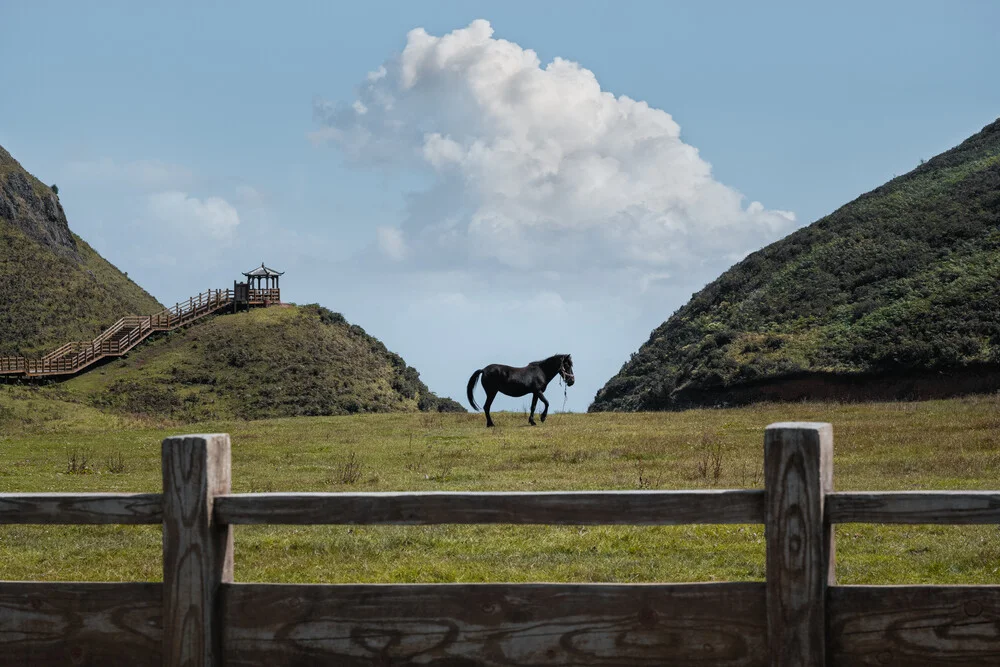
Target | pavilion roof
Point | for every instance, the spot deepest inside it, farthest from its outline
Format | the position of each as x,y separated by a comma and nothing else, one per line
263,271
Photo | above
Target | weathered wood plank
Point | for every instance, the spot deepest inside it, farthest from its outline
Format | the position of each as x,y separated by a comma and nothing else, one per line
494,624
80,624
81,508
798,473
914,626
558,507
197,551
914,507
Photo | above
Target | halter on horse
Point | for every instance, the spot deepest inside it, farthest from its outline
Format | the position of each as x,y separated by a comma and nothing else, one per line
531,379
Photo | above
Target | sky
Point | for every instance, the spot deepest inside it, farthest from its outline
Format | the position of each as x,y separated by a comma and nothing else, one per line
479,183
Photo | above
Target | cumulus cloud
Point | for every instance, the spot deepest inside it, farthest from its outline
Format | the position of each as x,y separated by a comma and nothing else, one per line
391,243
212,216
536,167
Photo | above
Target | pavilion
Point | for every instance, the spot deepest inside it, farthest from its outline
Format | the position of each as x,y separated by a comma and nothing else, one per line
261,288
263,278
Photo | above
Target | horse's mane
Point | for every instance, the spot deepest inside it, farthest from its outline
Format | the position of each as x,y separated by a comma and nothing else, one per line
547,360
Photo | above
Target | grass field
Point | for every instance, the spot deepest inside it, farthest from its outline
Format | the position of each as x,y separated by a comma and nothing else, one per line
52,445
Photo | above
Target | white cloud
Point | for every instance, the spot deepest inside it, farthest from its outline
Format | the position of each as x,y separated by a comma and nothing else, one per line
536,167
213,216
390,242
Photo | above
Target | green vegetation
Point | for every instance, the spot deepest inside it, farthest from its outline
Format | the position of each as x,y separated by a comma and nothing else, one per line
902,279
50,299
54,288
951,444
271,362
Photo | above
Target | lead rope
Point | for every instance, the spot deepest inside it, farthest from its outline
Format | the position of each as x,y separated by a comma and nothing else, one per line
565,387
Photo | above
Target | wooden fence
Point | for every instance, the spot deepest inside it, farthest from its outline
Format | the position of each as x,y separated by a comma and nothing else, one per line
198,616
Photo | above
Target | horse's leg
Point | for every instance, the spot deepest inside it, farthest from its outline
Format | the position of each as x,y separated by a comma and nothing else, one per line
486,407
534,404
545,410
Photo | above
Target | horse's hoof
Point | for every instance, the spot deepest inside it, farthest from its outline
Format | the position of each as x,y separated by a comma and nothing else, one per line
531,423
489,425
543,418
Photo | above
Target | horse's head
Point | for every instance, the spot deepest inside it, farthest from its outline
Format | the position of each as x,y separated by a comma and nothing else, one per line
566,370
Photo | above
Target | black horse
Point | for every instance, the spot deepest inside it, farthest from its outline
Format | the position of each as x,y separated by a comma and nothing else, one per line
531,379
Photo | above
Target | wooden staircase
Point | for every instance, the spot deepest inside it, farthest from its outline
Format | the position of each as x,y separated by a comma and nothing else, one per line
128,332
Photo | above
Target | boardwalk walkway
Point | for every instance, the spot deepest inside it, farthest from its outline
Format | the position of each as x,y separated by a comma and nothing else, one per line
128,332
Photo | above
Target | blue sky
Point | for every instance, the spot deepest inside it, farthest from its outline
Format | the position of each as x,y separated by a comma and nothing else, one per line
475,219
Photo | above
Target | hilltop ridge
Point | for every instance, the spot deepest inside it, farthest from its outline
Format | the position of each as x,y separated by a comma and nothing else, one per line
285,361
893,295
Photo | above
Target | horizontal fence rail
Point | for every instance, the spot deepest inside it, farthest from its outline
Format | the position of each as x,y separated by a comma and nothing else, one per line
578,508
199,616
81,623
915,507
494,624
636,508
81,508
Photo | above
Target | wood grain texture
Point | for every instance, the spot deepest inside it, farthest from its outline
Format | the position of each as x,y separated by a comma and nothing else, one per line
554,508
914,626
914,507
798,472
81,508
80,624
458,625
197,551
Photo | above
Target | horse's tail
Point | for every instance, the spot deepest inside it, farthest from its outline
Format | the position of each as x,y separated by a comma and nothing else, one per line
472,385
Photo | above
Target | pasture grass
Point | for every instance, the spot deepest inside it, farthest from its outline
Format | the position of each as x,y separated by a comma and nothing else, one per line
952,444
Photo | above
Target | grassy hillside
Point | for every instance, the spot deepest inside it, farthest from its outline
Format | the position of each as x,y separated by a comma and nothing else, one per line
273,362
952,444
897,287
54,288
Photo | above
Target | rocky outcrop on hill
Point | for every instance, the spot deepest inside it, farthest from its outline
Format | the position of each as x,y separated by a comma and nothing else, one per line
32,208
54,288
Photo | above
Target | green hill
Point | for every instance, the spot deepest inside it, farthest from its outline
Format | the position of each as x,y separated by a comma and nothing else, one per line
269,362
54,288
272,362
894,295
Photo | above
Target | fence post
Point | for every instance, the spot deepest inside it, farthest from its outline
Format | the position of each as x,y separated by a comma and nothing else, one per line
197,552
798,472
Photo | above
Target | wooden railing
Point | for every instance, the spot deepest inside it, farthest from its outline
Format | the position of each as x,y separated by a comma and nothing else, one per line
265,296
128,332
12,364
195,307
198,616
